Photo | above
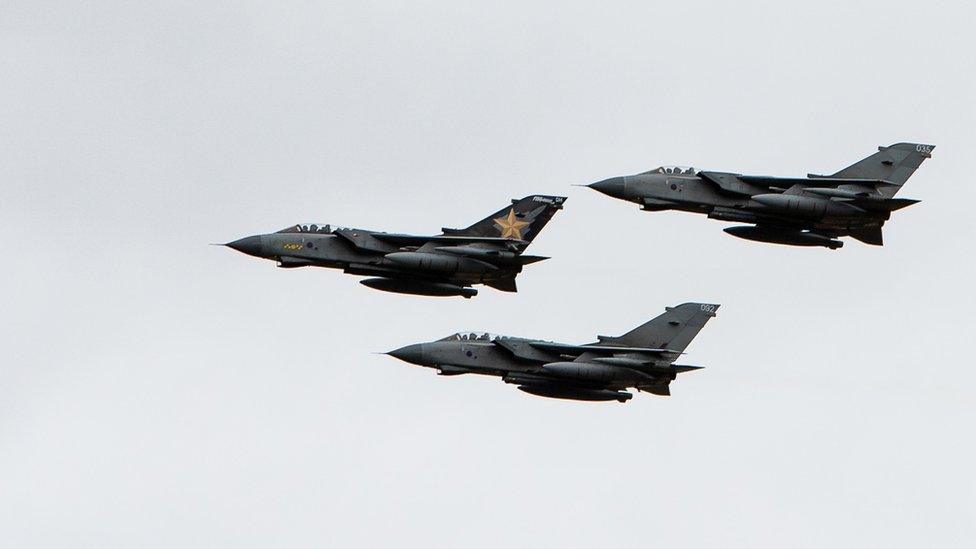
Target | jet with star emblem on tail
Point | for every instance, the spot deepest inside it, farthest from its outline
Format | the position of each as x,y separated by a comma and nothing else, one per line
642,358
799,211
488,252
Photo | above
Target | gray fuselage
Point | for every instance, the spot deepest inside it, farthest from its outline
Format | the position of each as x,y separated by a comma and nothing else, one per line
690,193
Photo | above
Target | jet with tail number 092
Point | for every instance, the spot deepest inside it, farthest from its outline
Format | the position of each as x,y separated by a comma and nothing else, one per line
642,358
799,211
488,252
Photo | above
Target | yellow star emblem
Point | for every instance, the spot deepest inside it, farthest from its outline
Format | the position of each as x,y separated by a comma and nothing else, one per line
511,226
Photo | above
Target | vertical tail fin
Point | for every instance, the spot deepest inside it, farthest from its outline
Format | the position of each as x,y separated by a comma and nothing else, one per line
523,220
672,330
895,164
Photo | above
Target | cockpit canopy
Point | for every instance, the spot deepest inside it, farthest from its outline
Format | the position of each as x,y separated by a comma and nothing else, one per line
320,228
483,337
673,170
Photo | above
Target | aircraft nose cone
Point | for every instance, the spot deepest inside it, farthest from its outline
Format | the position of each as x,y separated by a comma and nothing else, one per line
413,354
250,245
611,187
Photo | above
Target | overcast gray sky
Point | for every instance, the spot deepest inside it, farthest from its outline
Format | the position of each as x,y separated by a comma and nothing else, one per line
159,392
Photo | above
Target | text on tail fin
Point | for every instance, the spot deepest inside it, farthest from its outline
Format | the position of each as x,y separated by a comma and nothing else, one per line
672,330
894,164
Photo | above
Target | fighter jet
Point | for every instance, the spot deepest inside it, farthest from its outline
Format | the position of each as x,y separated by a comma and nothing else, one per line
642,358
488,252
811,211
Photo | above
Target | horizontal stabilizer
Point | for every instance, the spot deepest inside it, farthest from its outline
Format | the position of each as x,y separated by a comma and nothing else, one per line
876,204
890,204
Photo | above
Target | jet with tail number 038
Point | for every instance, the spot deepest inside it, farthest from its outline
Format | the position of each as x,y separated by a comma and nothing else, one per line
488,252
799,211
642,358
